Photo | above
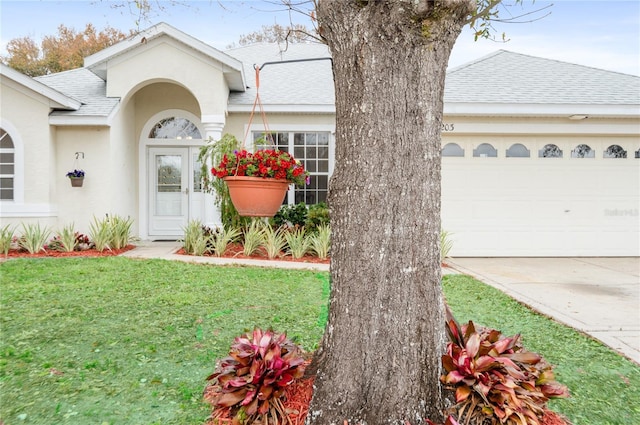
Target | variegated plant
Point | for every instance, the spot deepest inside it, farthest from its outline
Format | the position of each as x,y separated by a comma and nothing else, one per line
496,381
252,379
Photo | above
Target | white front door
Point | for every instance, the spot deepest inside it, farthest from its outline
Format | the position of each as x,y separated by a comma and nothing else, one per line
174,190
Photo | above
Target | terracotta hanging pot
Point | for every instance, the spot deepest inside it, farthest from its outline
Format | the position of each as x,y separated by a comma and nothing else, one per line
76,181
256,196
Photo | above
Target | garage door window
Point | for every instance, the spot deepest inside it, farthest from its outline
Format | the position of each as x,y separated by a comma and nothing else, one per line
583,151
452,149
550,151
616,151
518,150
485,150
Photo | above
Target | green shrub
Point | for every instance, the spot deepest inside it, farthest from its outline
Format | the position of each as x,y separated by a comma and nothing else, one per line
34,237
221,239
212,153
321,241
67,238
318,215
291,215
445,244
274,241
100,233
253,237
298,242
193,233
120,231
6,237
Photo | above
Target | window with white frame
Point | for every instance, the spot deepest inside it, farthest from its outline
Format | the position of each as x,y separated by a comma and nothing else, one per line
7,166
312,149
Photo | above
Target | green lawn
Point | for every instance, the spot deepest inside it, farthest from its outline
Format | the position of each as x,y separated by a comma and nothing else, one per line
121,341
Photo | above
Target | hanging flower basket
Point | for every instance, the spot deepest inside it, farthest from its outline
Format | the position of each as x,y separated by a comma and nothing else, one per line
258,182
76,181
77,177
256,196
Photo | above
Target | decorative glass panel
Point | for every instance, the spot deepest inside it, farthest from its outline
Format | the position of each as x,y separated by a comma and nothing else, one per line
583,151
197,174
452,149
169,185
550,151
169,173
175,128
615,151
518,150
485,150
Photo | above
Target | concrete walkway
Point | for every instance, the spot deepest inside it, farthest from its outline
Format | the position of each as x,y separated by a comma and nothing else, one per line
598,296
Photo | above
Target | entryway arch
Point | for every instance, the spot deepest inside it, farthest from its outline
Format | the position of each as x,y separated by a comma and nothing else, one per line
170,185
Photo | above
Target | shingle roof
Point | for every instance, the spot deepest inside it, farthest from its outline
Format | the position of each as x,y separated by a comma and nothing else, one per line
85,86
507,77
296,84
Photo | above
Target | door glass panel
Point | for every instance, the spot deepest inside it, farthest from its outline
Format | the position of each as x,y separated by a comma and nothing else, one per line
197,174
169,185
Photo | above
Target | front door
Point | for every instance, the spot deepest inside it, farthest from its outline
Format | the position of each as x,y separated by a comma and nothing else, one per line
174,190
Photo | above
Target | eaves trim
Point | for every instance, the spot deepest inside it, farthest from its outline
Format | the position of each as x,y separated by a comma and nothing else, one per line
289,108
59,100
540,110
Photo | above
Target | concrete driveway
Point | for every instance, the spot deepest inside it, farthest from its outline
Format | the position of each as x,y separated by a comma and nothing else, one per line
598,296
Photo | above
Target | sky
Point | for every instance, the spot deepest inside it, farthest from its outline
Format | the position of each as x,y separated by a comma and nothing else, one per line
598,33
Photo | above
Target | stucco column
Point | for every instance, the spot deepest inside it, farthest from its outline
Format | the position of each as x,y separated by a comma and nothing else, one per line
213,126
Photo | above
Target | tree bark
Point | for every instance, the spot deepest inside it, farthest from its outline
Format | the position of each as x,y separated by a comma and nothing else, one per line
379,360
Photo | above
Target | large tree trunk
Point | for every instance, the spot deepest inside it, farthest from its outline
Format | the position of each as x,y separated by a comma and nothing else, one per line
379,361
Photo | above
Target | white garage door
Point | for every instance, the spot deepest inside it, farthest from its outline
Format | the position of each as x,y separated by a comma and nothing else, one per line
580,204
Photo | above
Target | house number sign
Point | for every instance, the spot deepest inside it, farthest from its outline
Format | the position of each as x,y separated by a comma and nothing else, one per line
447,126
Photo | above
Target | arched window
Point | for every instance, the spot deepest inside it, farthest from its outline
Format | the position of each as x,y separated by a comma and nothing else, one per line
583,151
615,151
518,150
7,166
452,149
550,151
485,150
175,128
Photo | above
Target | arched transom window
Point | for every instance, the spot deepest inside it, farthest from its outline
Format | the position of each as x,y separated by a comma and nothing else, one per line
452,149
7,166
583,151
485,150
550,151
175,128
615,151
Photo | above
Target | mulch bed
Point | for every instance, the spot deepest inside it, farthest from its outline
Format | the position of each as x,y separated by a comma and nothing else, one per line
298,397
235,251
14,253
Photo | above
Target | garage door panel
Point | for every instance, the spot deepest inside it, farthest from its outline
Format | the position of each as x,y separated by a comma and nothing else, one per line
542,207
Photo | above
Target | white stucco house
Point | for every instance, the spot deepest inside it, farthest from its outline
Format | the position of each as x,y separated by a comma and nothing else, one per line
540,157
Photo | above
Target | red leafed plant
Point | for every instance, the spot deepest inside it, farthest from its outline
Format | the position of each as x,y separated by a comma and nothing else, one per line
265,163
250,382
496,381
